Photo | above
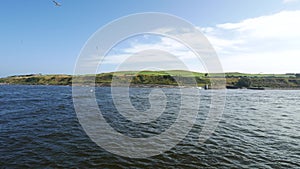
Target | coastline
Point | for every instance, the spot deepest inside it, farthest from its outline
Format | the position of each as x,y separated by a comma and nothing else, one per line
163,79
147,86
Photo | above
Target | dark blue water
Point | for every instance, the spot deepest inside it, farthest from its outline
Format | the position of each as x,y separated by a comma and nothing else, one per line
39,128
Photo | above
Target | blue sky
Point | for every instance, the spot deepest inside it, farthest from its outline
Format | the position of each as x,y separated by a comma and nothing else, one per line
38,37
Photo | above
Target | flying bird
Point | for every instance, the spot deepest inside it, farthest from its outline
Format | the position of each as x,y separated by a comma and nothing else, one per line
56,3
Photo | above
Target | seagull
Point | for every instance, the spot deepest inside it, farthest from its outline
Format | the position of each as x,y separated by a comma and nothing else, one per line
56,3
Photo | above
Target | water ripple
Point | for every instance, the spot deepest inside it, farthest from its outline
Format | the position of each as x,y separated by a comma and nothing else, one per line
39,129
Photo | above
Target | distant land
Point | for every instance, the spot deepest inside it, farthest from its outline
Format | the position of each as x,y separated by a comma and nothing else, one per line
234,80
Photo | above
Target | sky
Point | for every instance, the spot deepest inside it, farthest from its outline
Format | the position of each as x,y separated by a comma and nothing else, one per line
251,36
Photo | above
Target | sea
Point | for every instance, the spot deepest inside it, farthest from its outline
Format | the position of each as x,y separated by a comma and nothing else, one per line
39,128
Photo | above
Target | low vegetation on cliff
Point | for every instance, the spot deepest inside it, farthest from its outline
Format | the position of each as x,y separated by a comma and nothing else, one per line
174,77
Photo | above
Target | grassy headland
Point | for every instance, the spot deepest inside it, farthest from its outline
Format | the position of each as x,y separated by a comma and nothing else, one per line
233,80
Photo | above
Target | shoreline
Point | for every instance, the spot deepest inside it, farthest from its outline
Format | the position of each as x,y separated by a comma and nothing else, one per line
148,86
163,79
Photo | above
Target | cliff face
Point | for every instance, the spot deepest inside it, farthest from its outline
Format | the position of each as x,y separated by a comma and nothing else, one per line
38,80
173,78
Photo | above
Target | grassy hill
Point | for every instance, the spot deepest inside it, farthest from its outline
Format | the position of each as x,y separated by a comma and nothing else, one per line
233,79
